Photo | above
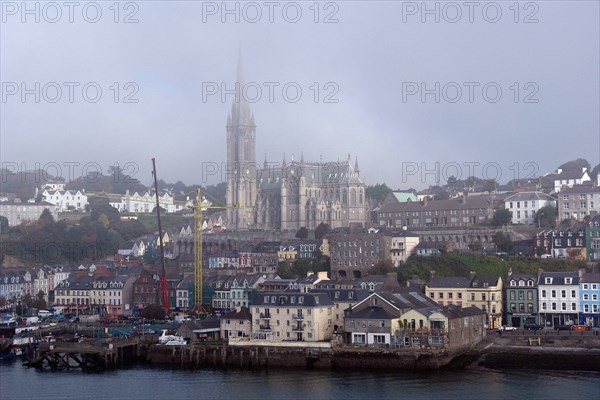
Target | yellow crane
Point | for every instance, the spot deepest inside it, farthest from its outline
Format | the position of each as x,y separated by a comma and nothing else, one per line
199,207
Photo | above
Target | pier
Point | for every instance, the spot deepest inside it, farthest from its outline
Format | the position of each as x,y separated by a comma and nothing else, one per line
95,355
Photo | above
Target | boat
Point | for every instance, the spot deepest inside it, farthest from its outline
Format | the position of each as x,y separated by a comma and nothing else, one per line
9,356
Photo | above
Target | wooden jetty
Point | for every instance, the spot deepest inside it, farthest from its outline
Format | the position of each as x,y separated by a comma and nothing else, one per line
88,356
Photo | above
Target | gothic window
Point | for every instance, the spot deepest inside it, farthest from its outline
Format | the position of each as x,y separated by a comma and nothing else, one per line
352,197
344,197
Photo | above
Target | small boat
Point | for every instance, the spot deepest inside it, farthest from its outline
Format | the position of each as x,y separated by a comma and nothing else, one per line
11,355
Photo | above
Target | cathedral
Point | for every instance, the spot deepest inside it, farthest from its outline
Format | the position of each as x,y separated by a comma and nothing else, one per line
286,195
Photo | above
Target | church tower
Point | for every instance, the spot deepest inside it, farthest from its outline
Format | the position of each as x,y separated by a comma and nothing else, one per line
241,159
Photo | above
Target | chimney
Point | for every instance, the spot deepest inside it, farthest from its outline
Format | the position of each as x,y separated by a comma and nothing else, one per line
472,274
432,273
322,275
559,171
581,272
583,169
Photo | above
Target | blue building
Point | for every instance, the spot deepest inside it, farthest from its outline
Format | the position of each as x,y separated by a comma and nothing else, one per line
589,299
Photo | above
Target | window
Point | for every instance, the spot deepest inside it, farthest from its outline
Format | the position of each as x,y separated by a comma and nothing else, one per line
554,306
554,294
573,307
563,306
563,293
472,296
440,295
573,293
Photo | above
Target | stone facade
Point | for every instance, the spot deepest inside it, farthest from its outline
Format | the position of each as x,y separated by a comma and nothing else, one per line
286,196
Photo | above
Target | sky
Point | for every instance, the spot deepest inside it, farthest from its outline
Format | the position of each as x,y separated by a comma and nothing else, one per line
417,92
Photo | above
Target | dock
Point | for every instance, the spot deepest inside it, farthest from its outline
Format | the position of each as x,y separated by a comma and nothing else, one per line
95,355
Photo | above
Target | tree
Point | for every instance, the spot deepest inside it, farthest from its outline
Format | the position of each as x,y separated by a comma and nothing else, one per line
153,311
39,302
475,246
46,217
545,217
442,195
377,192
103,219
382,267
302,233
501,217
502,242
3,224
321,230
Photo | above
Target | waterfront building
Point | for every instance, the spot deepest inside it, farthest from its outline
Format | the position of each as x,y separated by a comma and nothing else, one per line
292,316
450,327
10,286
145,290
589,299
376,319
558,298
483,292
185,293
592,239
236,323
521,300
342,300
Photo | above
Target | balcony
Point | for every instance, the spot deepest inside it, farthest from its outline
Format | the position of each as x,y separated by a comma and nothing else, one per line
298,328
265,316
298,317
265,328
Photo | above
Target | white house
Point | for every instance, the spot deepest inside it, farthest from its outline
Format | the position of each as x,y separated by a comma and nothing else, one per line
523,206
66,200
569,178
558,298
145,202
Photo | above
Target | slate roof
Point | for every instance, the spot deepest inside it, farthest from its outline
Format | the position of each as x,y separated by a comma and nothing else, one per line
458,282
558,278
480,281
244,314
292,299
580,189
344,295
590,277
372,312
527,196
451,204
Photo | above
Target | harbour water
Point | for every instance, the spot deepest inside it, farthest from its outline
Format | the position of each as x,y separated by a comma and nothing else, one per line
141,382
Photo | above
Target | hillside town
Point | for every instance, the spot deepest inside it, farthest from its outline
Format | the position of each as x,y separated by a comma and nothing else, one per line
306,251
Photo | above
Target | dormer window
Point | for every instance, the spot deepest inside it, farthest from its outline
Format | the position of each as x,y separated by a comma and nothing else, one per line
301,300
548,281
485,284
529,283
513,283
350,295
521,283
474,284
337,295
568,281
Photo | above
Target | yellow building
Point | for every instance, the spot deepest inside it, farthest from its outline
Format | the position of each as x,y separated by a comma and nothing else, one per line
484,293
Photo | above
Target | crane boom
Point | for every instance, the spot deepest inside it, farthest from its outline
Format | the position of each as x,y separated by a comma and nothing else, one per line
164,295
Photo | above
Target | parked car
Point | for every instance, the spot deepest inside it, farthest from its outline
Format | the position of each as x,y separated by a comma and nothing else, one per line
563,327
581,328
533,327
507,328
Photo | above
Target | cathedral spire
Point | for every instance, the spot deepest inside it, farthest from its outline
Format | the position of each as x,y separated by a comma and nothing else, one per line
240,109
356,166
284,164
